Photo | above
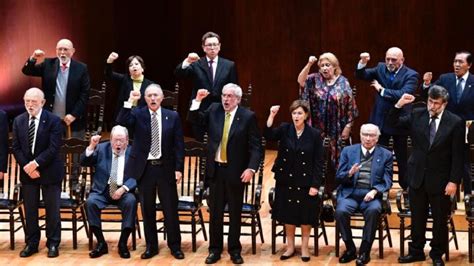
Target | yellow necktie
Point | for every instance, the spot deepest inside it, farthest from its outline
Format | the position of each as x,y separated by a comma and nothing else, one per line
225,135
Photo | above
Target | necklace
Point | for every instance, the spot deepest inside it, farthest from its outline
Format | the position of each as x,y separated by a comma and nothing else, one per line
299,132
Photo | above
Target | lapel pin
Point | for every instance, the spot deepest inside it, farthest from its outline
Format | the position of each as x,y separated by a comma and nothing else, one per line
166,118
378,160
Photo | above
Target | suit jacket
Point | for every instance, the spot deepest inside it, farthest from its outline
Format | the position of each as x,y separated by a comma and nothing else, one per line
440,163
199,71
298,163
172,141
244,149
125,84
406,81
101,160
78,86
465,107
380,172
47,147
3,141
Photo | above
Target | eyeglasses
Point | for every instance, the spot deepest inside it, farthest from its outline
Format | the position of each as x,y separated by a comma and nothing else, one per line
210,45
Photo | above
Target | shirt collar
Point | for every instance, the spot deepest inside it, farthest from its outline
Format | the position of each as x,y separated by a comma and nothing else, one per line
139,79
464,77
36,116
364,150
213,60
396,72
158,111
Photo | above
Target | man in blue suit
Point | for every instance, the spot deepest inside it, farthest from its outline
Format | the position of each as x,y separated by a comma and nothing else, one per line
37,139
3,143
391,80
364,174
460,86
156,162
110,186
210,72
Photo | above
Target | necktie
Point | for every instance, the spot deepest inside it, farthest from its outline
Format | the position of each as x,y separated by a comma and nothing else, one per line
225,135
459,89
155,136
211,70
63,66
113,186
367,154
392,76
31,133
433,128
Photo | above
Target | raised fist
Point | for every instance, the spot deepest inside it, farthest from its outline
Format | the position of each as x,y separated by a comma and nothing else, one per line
192,57
364,58
112,57
37,54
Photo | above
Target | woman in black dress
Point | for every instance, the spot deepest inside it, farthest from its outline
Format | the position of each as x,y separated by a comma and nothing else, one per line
298,174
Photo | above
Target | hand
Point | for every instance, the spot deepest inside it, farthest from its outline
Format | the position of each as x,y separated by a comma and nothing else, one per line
312,59
112,57
29,167
94,141
35,174
427,77
346,132
274,110
405,99
370,195
178,176
354,169
68,119
201,94
364,58
134,96
376,85
246,175
118,193
37,54
192,57
313,191
1,175
450,189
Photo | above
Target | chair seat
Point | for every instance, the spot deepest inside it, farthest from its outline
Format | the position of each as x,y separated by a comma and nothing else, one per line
64,203
246,208
8,204
182,206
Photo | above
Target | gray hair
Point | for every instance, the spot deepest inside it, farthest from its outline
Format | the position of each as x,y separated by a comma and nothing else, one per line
35,92
234,88
154,85
438,92
369,126
118,129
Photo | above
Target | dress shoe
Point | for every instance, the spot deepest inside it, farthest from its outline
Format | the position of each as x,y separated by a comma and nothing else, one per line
28,251
99,250
305,259
178,254
53,252
236,258
285,257
363,258
348,256
438,261
149,254
123,251
411,258
213,258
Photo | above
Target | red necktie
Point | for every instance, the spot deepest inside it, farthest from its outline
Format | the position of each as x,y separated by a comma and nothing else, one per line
63,66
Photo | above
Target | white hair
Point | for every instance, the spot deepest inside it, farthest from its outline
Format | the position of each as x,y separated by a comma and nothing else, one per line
236,90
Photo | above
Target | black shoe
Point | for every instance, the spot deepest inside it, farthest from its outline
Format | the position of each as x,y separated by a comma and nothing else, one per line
213,258
236,258
28,251
53,252
123,251
363,258
305,259
348,256
411,258
438,261
99,250
178,254
285,257
149,253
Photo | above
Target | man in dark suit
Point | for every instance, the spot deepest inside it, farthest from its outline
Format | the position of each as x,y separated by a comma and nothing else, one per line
364,174
37,139
435,168
156,161
234,153
209,72
391,80
110,187
460,86
3,143
65,83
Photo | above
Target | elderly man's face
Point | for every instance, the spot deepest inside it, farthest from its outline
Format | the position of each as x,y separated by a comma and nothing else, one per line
436,106
229,100
33,103
119,142
153,98
211,47
460,65
393,59
64,51
369,137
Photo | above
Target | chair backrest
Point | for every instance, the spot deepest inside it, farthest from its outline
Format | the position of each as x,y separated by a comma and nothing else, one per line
95,111
170,100
75,176
8,186
326,159
247,97
195,153
252,192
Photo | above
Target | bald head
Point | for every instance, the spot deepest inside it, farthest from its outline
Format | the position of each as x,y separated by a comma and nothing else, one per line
34,101
394,59
64,50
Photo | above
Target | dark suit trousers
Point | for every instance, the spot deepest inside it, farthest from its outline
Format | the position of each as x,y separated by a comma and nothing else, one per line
371,211
223,192
51,197
400,149
152,179
467,179
96,202
420,200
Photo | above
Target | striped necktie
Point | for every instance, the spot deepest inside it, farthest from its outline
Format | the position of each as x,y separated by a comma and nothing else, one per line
113,186
155,136
31,133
